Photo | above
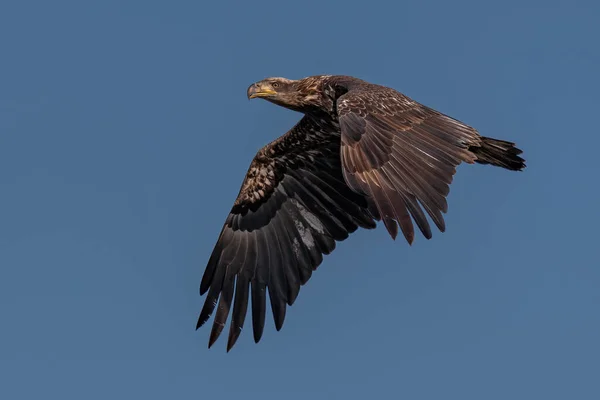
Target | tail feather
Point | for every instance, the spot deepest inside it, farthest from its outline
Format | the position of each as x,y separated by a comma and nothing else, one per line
499,153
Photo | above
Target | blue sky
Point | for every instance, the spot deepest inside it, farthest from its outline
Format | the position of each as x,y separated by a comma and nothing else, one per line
125,133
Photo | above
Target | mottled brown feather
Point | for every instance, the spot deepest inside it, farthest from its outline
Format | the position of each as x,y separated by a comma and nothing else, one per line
396,149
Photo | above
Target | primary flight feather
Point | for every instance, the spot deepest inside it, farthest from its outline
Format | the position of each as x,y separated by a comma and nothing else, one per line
361,153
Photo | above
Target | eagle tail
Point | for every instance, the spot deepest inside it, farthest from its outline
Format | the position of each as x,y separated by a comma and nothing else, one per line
499,153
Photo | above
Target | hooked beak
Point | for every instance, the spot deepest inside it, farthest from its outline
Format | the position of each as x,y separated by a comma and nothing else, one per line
257,90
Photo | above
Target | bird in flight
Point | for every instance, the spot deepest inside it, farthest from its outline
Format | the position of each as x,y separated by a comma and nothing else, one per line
361,153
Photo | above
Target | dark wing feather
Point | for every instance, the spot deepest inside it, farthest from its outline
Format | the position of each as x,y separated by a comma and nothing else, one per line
292,207
402,155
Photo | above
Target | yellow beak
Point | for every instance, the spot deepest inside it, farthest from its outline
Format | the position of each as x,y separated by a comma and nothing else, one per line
256,91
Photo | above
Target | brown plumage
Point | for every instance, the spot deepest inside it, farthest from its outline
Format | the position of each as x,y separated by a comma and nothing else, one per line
362,153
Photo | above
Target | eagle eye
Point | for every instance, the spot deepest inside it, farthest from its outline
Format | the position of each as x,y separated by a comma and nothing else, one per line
275,85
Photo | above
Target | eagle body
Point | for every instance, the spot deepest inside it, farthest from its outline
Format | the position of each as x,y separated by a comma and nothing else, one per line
361,153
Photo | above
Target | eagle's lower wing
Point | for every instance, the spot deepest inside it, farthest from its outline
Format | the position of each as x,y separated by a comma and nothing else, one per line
292,207
400,153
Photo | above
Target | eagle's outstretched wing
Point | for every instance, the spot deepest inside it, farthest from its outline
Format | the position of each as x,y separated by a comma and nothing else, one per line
292,207
402,155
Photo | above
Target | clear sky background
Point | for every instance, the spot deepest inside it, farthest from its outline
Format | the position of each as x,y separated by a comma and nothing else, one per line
125,133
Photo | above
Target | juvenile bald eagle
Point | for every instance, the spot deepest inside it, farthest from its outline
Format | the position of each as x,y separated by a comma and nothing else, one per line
361,153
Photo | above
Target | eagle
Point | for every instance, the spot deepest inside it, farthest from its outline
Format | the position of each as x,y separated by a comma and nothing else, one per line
361,153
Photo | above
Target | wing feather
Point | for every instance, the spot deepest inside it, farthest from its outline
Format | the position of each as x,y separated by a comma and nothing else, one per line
401,155
293,206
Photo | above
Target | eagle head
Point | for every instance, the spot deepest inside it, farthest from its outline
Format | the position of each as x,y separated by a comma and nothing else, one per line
296,95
